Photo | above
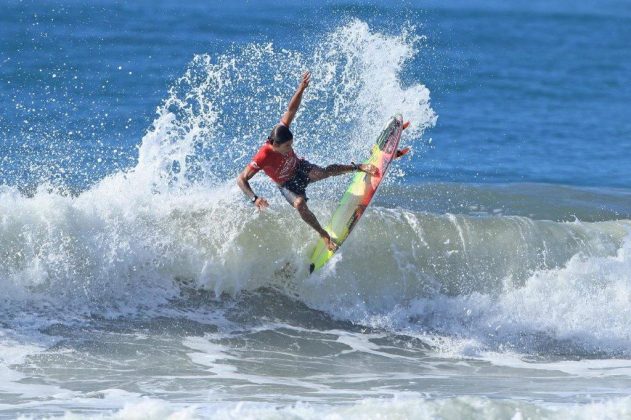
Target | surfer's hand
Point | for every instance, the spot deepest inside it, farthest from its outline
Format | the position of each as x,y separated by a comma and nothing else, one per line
368,168
261,203
306,78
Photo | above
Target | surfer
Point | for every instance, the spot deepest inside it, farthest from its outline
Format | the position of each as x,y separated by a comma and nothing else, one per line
291,174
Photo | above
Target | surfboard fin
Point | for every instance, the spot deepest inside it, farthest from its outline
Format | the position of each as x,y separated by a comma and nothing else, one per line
406,125
402,152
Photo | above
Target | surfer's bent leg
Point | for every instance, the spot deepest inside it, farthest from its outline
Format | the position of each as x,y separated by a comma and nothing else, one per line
301,205
317,173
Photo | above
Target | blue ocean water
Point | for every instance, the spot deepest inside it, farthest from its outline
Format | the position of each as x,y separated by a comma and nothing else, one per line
489,279
527,93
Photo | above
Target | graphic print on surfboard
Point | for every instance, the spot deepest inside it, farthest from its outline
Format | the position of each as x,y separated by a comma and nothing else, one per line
360,192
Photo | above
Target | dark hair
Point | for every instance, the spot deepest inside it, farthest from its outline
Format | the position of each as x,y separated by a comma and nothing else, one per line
280,134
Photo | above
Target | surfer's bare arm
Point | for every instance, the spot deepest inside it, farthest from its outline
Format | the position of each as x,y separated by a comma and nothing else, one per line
294,103
243,183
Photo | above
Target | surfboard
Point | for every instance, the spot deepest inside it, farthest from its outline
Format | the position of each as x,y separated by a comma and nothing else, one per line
360,192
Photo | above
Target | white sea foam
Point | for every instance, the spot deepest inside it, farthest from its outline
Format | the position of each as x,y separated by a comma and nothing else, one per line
417,408
580,308
14,353
404,407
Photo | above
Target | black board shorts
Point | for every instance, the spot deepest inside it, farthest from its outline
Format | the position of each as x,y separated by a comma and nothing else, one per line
296,186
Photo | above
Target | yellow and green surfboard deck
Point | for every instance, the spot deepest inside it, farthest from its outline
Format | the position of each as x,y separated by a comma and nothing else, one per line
360,192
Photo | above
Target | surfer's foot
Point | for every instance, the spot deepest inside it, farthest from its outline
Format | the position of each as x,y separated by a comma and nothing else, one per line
328,242
368,168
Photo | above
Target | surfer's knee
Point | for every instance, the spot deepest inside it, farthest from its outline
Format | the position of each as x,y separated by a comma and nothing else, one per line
300,204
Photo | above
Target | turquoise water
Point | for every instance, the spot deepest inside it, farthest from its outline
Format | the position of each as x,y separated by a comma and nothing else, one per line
490,279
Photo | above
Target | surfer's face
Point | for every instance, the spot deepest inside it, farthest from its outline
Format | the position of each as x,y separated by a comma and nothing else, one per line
285,147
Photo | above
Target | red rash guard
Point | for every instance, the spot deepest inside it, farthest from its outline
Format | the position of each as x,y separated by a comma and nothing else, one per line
279,167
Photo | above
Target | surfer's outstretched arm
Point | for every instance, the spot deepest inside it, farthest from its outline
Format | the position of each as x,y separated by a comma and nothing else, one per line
294,103
243,183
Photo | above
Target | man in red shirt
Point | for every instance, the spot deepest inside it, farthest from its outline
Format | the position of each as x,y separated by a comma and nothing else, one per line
292,175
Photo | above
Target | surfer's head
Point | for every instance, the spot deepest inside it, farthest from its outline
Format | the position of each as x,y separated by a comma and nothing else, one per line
280,135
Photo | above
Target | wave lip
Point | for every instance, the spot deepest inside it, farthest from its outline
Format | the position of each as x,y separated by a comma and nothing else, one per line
211,237
534,286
